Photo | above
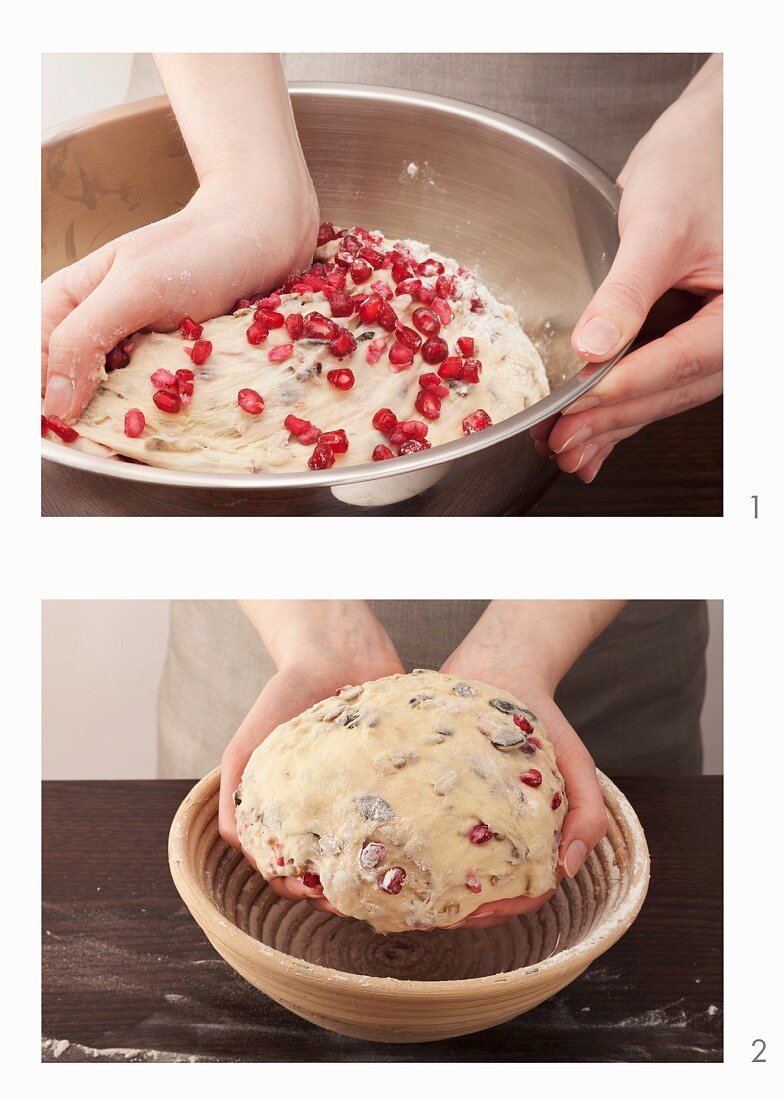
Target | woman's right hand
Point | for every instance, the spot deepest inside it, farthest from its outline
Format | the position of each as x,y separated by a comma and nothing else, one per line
321,646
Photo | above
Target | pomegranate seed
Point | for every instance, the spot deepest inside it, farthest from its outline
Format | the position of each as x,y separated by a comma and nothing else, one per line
385,421
432,383
477,305
344,258
280,353
434,350
401,269
409,286
412,445
310,879
408,336
522,723
384,290
200,352
44,426
381,453
556,801
373,257
536,741
342,379
269,318
319,327
392,880
360,271
134,423
340,303
322,458
531,778
430,267
465,345
163,379
116,359
480,833
295,425
452,367
476,422
473,883
326,233
426,321
426,295
337,441
63,430
251,402
189,330
376,349
401,356
428,404
310,435
336,279
257,333
167,402
442,311
446,287
352,243
370,309
272,302
342,345
408,429
472,368
183,375
387,317
371,855
295,325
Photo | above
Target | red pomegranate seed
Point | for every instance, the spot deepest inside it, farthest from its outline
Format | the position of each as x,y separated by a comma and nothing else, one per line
337,441
408,429
342,379
336,279
381,453
408,336
373,257
326,233
272,302
280,353
409,286
163,379
384,290
257,333
295,325
452,367
387,317
183,376
472,368
531,778
251,402
360,271
63,430
116,359
476,422
392,880
322,458
446,287
167,402
432,383
426,321
401,356
442,311
371,855
189,330
44,426
340,303
412,445
370,309
428,404
465,345
269,318
522,723
385,421
200,352
434,350
401,269
473,883
375,350
480,833
319,327
426,295
134,423
296,426
352,243
430,267
477,305
342,345
536,741
556,801
310,879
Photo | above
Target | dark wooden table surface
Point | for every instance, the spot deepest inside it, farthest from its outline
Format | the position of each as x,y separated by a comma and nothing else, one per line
129,976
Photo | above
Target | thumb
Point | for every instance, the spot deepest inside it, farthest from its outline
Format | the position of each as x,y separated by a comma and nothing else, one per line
643,269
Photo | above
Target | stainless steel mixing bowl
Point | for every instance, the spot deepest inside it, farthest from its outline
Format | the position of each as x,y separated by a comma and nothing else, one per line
535,219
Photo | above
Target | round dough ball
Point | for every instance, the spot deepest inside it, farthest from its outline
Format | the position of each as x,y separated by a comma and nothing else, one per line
414,799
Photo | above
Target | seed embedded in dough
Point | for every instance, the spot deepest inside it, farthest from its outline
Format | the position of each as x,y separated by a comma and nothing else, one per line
374,808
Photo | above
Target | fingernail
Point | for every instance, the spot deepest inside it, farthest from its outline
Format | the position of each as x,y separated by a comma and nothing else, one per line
582,404
479,916
575,440
576,855
59,396
589,452
596,471
598,336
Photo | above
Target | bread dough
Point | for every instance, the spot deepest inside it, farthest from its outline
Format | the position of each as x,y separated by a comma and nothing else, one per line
213,433
404,795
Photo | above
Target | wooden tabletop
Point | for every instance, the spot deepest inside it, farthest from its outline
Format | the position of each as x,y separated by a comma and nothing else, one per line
129,976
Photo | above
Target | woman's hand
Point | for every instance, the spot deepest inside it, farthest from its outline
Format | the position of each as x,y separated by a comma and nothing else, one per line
252,222
670,224
319,646
517,645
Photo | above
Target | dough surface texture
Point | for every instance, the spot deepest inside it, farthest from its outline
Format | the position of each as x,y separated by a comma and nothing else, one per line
404,795
213,433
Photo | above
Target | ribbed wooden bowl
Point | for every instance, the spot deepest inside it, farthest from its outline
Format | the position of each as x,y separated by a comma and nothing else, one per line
414,986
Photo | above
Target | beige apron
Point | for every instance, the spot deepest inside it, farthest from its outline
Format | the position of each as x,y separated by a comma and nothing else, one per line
634,696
